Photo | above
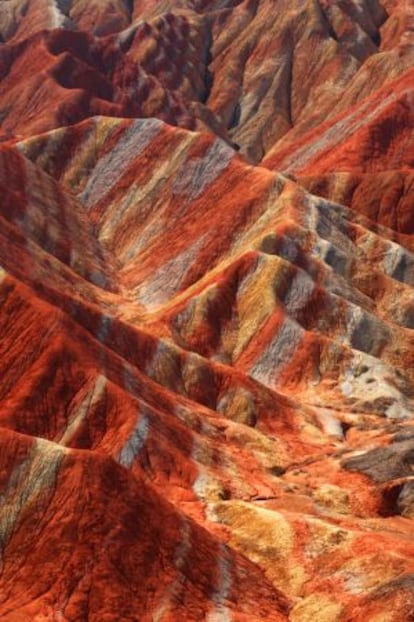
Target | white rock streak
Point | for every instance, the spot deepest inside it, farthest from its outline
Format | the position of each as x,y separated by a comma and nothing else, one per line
300,291
220,612
91,399
56,18
167,279
331,425
398,263
26,482
337,133
135,442
195,175
176,588
278,353
114,164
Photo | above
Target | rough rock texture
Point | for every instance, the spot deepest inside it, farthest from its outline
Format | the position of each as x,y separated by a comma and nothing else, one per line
207,310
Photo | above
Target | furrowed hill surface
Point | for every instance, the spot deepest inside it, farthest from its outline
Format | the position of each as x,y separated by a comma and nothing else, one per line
207,311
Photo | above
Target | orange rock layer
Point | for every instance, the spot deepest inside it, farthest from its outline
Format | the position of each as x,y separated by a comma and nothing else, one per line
207,311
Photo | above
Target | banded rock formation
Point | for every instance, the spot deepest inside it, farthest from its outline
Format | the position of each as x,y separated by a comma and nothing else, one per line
207,270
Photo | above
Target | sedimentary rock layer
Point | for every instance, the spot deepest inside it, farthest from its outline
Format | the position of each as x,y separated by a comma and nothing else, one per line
207,311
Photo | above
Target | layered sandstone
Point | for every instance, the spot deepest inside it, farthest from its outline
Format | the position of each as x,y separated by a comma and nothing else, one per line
207,346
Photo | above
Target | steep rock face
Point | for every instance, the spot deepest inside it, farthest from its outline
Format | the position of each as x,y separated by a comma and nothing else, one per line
207,364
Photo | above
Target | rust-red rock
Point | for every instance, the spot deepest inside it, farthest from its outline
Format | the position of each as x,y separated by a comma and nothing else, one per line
207,310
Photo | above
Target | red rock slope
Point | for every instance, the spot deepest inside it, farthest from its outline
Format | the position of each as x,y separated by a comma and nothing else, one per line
207,311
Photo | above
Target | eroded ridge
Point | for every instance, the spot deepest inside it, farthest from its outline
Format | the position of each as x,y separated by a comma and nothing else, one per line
207,311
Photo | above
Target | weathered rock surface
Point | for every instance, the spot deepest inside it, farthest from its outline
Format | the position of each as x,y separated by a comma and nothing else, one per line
207,311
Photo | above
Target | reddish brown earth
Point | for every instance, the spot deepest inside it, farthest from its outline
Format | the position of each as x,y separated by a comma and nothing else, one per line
207,310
